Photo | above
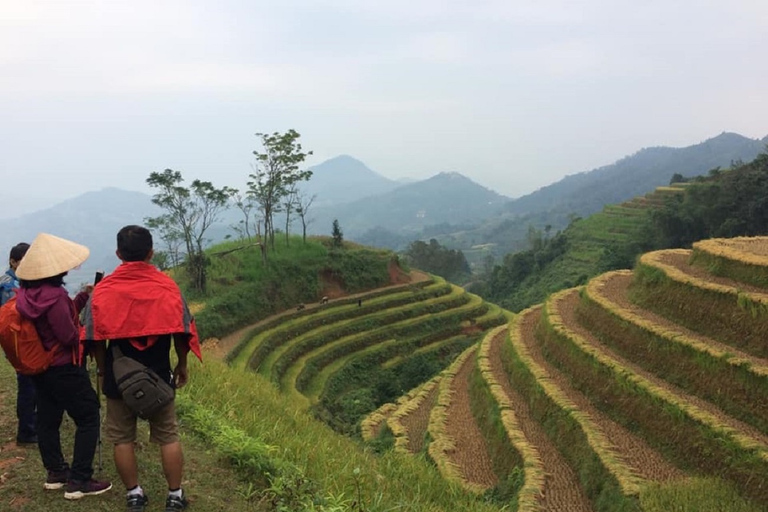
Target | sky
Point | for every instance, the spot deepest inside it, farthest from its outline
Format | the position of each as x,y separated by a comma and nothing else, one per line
514,94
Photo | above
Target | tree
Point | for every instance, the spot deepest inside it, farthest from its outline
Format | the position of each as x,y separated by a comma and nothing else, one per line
288,206
303,203
338,236
276,172
172,237
434,258
245,203
189,214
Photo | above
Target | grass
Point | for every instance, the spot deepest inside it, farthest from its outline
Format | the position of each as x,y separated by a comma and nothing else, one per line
336,464
694,495
209,482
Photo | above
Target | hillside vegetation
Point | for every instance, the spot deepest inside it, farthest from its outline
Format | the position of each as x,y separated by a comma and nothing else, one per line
356,385
607,397
725,203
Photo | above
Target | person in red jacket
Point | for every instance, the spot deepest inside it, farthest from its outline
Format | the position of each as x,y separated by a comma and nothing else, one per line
141,310
65,385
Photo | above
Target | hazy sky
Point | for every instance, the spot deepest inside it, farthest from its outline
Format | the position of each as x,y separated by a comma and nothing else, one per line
514,94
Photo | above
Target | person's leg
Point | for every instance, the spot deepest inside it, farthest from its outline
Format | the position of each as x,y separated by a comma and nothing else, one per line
25,409
173,464
49,416
120,431
82,405
164,430
125,462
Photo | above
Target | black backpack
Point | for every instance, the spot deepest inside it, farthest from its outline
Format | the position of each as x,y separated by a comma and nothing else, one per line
143,391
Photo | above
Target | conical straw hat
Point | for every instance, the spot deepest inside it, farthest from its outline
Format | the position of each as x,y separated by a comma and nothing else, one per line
50,256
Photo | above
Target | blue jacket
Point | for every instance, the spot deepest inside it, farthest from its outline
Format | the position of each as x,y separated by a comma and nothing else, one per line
8,284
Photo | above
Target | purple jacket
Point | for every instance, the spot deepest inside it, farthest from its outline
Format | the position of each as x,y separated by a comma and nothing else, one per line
54,316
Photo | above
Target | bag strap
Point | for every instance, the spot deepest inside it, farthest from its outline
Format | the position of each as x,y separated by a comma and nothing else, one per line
116,352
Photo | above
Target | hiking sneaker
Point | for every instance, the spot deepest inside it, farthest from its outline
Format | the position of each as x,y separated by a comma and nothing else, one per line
77,489
136,502
56,479
173,503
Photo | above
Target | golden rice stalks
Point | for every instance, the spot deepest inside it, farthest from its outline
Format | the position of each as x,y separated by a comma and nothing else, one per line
654,259
675,190
744,249
443,445
529,497
594,292
628,481
406,405
369,427
694,412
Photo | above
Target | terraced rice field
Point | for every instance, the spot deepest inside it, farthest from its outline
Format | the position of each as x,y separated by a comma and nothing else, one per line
641,380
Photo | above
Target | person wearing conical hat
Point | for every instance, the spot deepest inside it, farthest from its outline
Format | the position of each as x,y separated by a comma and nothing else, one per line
65,385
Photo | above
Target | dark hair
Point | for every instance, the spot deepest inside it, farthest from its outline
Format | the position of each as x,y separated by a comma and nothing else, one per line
18,251
134,243
57,280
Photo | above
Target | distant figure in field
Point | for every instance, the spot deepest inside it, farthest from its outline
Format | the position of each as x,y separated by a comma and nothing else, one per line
359,302
299,307
324,300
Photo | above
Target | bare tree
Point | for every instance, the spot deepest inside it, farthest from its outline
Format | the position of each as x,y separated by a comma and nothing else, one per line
303,203
288,206
245,203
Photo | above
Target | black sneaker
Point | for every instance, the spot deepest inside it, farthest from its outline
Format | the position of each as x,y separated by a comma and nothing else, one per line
136,502
77,489
172,503
56,479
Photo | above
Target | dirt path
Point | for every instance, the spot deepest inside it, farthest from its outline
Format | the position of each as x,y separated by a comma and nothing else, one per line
562,491
471,453
633,450
416,421
219,348
615,289
567,308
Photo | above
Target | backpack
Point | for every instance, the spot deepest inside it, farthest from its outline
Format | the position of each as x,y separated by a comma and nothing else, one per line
21,343
143,391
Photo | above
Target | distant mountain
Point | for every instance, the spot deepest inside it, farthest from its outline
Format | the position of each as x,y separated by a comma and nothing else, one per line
583,194
587,192
444,198
92,219
344,179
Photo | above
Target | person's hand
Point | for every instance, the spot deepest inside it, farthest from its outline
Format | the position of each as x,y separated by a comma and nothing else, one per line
180,376
88,289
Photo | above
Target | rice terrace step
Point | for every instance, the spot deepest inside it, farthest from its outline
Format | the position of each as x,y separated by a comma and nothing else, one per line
616,395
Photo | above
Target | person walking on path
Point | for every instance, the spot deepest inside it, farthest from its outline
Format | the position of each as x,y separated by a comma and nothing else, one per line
26,406
65,385
141,312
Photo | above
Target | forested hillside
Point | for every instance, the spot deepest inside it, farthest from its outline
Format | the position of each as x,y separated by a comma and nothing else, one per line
723,204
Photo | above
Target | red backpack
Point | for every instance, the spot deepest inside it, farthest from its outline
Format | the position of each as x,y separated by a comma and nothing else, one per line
21,343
